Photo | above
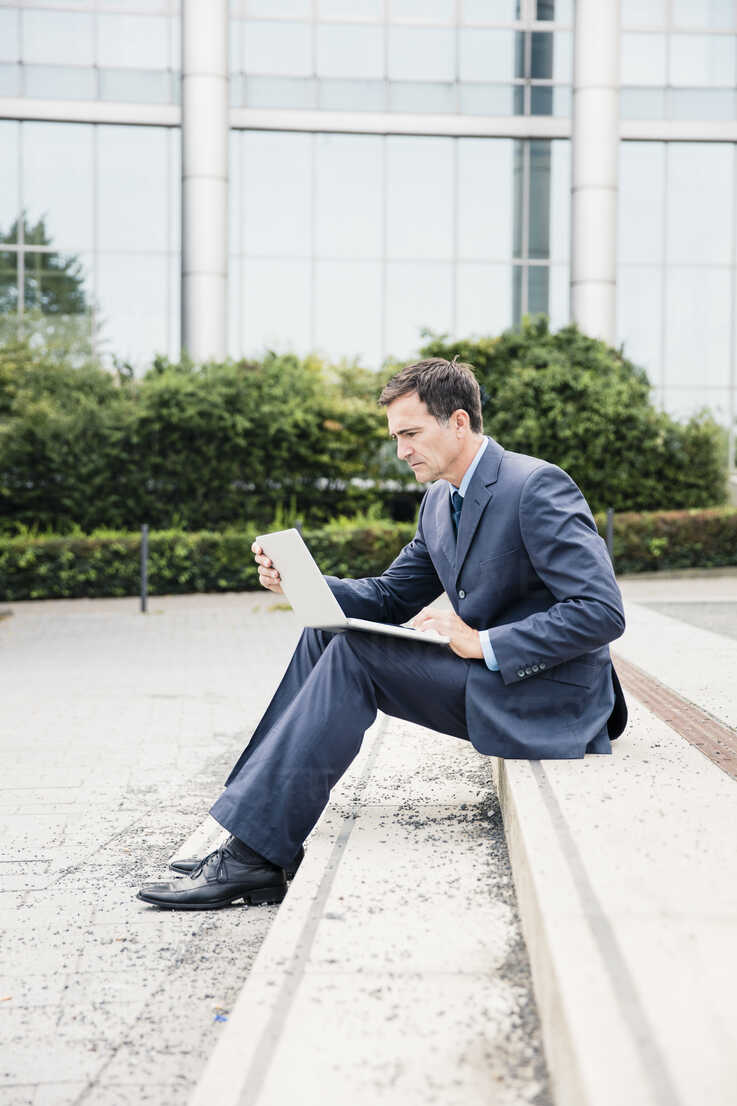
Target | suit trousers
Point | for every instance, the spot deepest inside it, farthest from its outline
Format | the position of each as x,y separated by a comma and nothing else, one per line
314,726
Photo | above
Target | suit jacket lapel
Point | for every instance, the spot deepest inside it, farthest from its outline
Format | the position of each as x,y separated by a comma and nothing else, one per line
480,492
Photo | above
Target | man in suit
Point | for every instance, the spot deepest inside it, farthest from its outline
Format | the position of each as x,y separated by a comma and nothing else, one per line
512,542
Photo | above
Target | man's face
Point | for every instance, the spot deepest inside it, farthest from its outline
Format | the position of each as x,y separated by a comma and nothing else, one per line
430,448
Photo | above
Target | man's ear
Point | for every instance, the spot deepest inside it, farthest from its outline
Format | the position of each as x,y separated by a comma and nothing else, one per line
461,421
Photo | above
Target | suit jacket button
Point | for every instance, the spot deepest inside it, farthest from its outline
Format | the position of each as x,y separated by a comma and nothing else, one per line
521,673
542,665
528,672
536,668
461,594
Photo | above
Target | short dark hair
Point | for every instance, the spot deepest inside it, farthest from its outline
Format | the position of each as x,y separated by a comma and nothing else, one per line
443,386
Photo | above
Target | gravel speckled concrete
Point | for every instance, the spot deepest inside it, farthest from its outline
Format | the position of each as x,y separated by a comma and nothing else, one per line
115,734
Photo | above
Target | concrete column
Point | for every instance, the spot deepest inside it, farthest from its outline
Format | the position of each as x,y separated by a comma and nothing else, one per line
594,178
204,177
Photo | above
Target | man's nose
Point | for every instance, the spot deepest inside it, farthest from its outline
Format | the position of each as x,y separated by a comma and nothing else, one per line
403,450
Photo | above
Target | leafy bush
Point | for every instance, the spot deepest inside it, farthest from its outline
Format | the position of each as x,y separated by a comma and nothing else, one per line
658,540
195,448
108,563
580,403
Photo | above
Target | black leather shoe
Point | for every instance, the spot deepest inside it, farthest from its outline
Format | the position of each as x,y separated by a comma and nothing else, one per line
218,880
189,865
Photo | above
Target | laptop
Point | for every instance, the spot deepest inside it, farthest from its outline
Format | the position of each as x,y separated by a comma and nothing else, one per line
309,592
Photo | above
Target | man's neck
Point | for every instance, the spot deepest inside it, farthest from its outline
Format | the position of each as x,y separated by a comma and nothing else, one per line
467,457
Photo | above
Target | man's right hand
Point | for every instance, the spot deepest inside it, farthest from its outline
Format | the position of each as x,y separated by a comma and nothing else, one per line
268,576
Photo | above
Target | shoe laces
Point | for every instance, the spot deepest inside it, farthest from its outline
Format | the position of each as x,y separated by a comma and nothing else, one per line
221,871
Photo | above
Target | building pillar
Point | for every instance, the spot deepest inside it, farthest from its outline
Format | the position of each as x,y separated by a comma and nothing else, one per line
204,178
595,159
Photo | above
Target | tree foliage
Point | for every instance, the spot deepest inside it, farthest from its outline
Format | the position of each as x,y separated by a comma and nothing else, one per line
580,403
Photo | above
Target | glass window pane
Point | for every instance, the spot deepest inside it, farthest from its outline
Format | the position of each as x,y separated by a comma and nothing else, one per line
641,202
643,59
339,95
346,51
418,296
642,103
421,54
491,11
426,11
348,310
700,202
538,282
283,48
9,34
133,41
644,13
559,10
541,56
134,305
58,181
483,298
351,9
60,82
298,9
486,99
640,315
276,305
281,92
8,290
486,55
58,38
560,199
712,15
277,194
539,210
684,402
422,96
133,188
559,296
541,100
420,197
702,60
56,283
697,327
702,103
349,195
10,80
485,179
235,298
144,86
562,56
9,195
562,105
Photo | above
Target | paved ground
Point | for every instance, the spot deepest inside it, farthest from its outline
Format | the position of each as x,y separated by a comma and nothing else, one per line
115,734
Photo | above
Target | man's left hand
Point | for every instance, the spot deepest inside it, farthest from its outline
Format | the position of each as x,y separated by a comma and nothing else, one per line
464,641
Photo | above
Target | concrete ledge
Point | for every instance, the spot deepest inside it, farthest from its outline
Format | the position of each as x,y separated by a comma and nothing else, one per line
386,975
626,876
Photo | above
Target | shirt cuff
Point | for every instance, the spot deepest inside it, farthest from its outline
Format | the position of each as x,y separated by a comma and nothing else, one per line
489,657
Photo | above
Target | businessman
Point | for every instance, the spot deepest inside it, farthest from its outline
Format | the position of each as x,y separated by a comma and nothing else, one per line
527,674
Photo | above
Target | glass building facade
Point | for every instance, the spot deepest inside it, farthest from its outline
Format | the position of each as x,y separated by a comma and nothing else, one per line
395,166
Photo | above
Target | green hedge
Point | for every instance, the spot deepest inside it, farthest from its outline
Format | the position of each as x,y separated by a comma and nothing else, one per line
107,563
656,540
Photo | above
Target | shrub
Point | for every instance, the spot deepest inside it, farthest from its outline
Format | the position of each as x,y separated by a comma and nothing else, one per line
108,563
578,402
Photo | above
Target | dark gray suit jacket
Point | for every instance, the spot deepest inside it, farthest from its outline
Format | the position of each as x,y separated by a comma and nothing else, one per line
530,567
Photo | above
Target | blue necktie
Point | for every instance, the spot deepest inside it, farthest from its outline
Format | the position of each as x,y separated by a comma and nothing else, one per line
455,511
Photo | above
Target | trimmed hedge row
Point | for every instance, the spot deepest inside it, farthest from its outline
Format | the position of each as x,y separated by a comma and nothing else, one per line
107,563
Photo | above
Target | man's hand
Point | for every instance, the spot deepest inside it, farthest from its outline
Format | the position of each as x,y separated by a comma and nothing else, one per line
268,577
464,641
